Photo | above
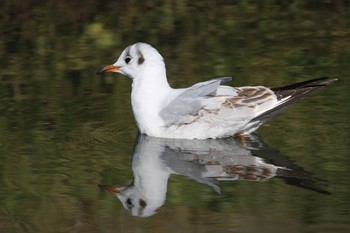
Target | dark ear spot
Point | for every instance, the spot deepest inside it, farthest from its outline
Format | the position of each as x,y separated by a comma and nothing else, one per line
143,203
141,58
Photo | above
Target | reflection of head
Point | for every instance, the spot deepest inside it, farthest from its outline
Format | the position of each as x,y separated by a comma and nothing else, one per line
137,203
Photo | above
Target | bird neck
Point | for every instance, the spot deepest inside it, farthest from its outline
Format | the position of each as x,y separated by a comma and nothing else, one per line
150,91
150,174
152,184
151,79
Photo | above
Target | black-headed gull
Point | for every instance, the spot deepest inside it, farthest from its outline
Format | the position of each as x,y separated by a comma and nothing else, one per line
204,110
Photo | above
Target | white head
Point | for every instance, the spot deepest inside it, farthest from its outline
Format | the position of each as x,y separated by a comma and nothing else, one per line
134,60
137,202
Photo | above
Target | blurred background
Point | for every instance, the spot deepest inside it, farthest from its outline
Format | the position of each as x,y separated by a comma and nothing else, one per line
64,130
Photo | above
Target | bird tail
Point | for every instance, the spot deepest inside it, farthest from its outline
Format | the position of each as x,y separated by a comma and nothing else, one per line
287,96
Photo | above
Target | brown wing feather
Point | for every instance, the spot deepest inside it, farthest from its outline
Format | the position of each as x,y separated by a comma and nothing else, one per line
249,97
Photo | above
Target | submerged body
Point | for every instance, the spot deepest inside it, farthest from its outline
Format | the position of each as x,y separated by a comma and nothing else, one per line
204,110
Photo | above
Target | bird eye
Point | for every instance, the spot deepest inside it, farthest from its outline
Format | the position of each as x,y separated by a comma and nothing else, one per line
127,60
129,203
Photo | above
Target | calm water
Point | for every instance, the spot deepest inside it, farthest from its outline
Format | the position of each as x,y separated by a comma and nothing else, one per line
64,131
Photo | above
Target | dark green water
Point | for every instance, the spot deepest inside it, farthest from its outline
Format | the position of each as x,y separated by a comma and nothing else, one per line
64,130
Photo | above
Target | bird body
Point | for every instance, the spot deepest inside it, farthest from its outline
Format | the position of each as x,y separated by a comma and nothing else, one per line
204,110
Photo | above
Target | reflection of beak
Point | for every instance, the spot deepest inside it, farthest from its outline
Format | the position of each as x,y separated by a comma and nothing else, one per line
113,190
109,189
108,69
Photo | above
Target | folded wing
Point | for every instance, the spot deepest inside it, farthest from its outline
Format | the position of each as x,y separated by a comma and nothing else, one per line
190,101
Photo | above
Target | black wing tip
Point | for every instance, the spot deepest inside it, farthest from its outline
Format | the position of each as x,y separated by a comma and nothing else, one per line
323,81
317,82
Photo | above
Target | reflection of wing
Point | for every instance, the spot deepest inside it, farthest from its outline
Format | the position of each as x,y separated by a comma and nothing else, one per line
209,160
294,175
178,162
228,159
189,102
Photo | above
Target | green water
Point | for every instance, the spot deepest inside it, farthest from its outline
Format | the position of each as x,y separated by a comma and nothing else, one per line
64,130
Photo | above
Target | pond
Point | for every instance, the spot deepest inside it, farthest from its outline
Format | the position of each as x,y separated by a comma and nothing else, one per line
71,158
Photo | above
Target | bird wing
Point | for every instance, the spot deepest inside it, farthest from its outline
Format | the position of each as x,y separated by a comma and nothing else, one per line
187,104
251,106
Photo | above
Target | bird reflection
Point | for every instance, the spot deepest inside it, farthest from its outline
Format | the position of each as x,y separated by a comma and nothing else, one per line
205,161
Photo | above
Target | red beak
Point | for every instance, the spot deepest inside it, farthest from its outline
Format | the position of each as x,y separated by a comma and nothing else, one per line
108,69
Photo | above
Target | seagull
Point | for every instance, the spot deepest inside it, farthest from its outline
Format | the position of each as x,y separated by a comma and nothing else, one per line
205,110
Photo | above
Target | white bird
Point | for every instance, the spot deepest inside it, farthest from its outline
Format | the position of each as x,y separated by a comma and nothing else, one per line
204,110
